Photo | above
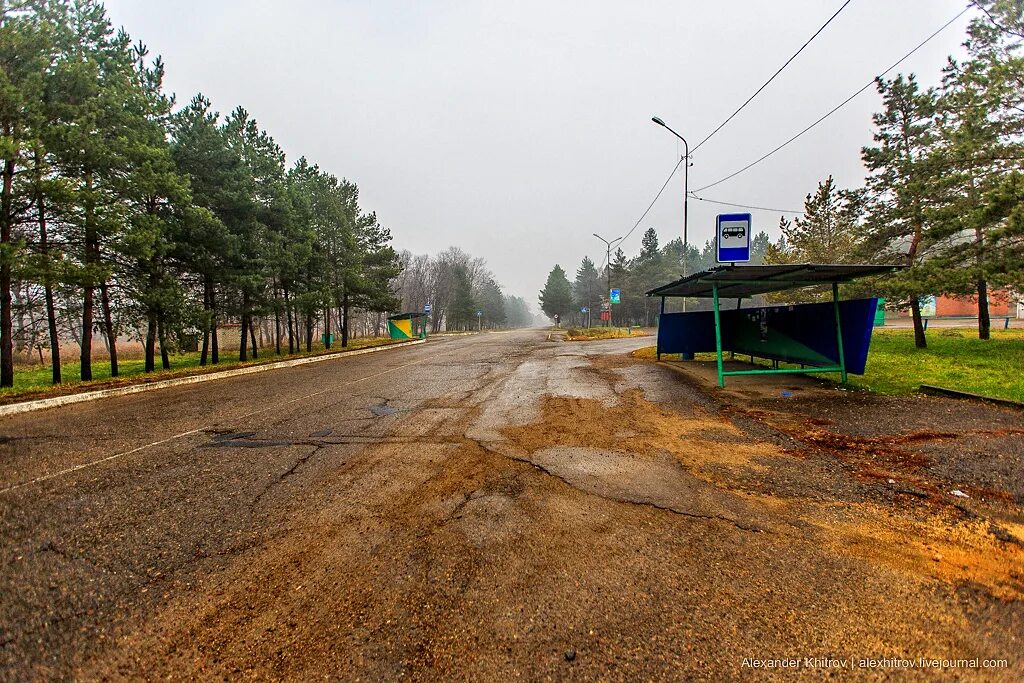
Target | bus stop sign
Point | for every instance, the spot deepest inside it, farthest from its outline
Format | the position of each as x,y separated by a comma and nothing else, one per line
733,237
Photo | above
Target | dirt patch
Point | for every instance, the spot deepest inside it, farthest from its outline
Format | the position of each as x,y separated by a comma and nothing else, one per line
701,463
589,423
940,546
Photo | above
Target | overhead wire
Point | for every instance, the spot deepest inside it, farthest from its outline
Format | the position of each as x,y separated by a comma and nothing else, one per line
653,202
745,206
731,116
774,76
839,106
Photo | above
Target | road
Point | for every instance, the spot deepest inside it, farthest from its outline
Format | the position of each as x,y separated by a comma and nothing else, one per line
487,507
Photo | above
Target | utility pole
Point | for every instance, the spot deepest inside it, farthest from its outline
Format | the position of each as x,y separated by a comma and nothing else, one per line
608,271
686,191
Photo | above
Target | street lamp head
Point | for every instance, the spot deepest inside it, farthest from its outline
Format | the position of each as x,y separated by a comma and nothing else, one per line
598,236
658,121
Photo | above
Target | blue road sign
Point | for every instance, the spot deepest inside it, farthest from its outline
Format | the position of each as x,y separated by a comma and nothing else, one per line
615,296
426,308
733,237
584,310
479,313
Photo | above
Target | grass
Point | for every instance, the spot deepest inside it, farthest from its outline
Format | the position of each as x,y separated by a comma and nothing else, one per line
34,381
954,359
591,333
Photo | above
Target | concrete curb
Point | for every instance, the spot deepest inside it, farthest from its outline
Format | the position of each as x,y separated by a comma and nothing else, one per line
67,399
956,393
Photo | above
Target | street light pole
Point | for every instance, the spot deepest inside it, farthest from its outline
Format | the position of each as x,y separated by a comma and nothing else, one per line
686,192
608,271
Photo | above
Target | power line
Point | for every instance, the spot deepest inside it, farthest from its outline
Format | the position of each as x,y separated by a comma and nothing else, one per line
653,201
758,91
744,206
840,105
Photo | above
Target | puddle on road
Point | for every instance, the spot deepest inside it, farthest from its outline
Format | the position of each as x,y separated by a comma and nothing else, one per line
383,409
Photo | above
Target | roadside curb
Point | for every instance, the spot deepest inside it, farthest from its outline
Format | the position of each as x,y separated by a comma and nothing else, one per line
966,395
67,399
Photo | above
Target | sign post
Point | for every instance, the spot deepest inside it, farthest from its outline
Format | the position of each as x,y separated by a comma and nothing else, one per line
426,311
732,238
479,321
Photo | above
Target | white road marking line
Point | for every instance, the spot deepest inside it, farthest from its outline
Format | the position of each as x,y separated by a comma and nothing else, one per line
96,462
93,463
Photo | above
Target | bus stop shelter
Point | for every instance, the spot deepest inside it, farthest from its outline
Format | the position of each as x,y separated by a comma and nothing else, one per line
820,337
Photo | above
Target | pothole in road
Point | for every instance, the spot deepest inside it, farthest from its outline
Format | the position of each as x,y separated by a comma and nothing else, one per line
659,481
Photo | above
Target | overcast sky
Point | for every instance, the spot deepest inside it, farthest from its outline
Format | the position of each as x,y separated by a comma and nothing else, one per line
514,130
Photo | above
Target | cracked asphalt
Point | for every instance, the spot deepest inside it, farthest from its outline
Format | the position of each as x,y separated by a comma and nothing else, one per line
503,506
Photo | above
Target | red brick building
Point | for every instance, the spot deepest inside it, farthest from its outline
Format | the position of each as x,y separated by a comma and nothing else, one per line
998,304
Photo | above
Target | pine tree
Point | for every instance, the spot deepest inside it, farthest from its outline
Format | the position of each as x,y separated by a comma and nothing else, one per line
462,310
556,297
587,288
25,55
981,124
219,185
898,226
827,233
649,245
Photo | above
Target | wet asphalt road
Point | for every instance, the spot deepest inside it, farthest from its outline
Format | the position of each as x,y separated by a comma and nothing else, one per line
105,498
441,511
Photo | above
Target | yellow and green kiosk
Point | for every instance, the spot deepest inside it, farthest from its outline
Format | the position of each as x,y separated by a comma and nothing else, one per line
408,326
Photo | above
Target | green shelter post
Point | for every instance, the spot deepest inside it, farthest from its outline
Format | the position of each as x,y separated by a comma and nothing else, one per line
658,347
718,336
839,330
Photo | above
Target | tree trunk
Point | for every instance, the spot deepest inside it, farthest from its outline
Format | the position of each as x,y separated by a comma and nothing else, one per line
108,326
915,310
206,322
288,321
309,333
344,320
277,322
252,335
6,324
243,337
51,312
984,320
92,249
165,362
327,328
151,341
214,342
51,322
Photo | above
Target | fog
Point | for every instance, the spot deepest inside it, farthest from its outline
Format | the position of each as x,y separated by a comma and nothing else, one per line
514,130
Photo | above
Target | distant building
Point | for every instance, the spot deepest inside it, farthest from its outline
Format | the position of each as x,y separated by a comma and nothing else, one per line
1000,303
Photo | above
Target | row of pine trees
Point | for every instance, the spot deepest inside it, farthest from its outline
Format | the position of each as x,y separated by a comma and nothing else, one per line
122,211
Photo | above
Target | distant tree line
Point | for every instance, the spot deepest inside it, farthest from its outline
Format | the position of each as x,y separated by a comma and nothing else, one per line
653,266
944,195
125,215
457,286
